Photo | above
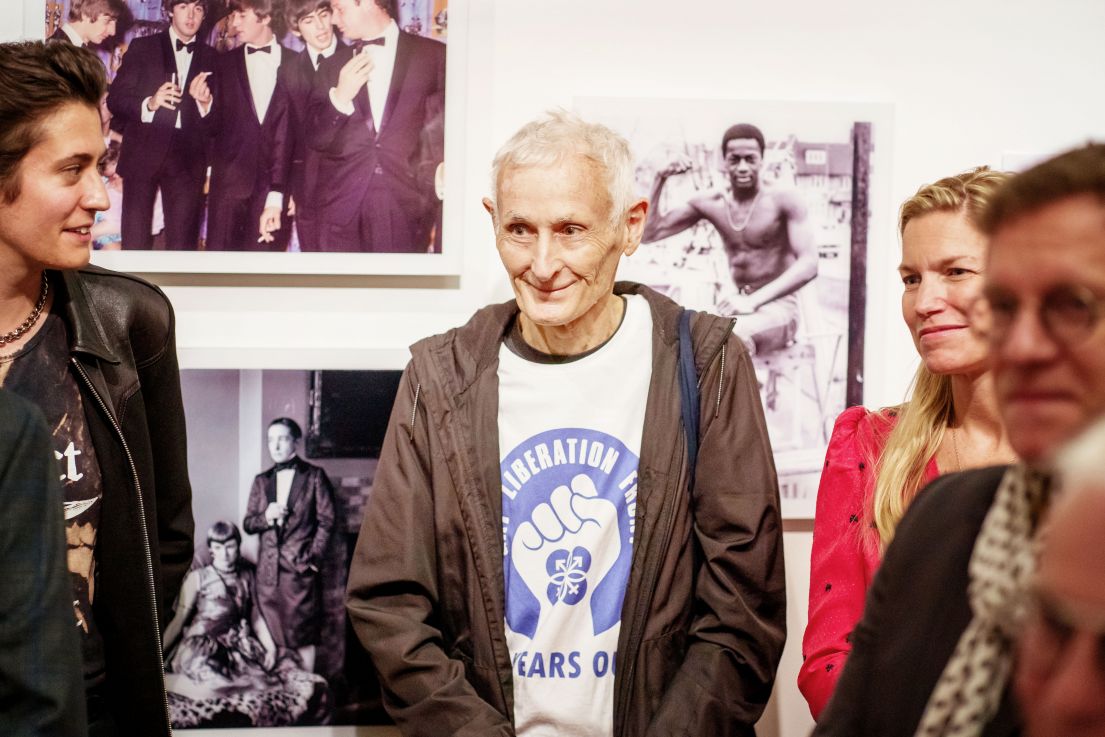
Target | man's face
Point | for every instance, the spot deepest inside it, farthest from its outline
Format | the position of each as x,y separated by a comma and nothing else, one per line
99,29
281,444
1047,390
186,19
743,159
249,28
47,226
1060,677
224,555
555,239
316,29
351,18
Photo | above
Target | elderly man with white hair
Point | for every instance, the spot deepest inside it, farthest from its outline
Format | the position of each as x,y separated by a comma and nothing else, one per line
574,527
1060,675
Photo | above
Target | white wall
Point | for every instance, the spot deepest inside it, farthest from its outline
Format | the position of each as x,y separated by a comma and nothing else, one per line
969,81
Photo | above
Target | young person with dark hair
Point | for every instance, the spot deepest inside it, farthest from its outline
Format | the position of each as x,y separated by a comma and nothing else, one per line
311,21
90,22
246,114
95,350
163,143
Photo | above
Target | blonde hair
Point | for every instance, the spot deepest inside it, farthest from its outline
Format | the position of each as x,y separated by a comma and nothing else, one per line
900,469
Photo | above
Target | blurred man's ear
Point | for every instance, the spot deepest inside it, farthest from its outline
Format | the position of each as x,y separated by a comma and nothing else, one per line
490,207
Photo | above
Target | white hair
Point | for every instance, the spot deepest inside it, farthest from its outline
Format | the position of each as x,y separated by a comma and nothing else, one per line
1081,463
558,134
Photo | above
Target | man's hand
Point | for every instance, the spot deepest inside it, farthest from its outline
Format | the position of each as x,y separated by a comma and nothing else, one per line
200,92
275,513
682,165
291,207
167,96
737,304
270,223
353,78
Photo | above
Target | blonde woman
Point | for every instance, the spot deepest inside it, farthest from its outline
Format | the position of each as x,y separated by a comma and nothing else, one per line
877,461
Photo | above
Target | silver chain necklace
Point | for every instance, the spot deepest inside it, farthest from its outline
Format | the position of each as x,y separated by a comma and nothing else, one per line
32,318
747,215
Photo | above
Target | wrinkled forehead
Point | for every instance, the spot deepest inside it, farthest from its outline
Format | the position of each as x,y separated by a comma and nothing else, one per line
1059,244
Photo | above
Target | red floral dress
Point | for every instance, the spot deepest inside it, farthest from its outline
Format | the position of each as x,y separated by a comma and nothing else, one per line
845,555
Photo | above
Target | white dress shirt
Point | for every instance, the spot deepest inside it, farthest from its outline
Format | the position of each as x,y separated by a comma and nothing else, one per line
379,82
325,53
71,32
183,64
261,70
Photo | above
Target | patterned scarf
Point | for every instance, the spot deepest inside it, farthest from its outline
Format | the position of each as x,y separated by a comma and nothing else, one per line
969,690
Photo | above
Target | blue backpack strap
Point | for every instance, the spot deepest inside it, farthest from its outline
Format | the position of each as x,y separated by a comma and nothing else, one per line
688,390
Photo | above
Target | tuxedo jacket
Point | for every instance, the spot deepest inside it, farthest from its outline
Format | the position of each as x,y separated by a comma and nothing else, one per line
298,77
248,157
148,63
398,153
916,610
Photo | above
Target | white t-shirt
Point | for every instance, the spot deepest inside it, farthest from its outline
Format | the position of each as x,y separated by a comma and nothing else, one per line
570,441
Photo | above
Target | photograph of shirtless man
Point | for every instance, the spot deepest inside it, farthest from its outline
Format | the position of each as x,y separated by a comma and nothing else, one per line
766,234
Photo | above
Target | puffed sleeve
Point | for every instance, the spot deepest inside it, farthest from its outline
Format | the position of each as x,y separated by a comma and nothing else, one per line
844,556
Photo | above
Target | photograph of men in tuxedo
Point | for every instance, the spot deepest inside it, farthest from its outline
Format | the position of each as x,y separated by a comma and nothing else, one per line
291,507
91,22
312,22
376,116
245,112
152,101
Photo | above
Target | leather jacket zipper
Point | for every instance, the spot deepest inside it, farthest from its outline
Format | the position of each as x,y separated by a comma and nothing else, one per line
145,531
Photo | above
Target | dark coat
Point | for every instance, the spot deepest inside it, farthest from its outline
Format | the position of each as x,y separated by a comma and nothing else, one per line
123,350
249,158
298,78
40,655
703,619
380,174
148,64
915,612
291,554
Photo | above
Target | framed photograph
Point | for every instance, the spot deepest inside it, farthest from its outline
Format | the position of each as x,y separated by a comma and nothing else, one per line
759,211
233,152
282,464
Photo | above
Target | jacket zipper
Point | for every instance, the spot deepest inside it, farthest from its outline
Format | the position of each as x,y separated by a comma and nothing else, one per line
665,538
145,531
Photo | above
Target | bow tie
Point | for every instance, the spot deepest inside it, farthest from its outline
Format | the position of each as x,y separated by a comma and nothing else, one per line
191,45
284,466
255,49
358,45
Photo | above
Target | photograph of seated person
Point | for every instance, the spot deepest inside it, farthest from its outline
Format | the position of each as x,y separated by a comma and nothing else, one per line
223,668
1060,672
947,605
766,233
878,460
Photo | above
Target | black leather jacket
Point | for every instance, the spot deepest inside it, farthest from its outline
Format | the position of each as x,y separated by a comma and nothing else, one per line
123,354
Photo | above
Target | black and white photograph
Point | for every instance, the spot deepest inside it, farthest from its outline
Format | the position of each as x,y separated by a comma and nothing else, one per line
282,463
234,133
758,211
